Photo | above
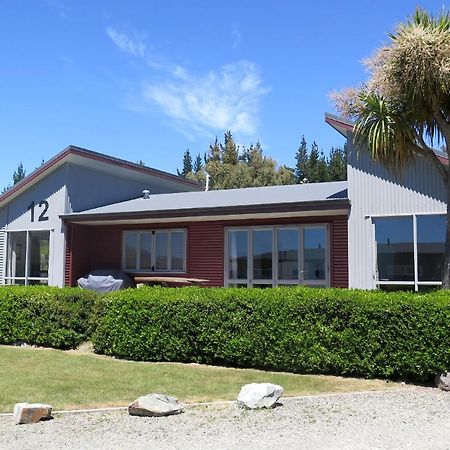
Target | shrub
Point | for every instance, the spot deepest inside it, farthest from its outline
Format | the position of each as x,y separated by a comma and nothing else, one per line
330,331
46,316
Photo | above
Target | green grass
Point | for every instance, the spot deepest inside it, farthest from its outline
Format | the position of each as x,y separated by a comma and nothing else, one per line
70,380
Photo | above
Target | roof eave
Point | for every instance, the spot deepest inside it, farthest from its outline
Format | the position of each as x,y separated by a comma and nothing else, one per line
320,205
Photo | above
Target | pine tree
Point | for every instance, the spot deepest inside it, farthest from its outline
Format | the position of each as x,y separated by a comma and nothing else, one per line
313,164
229,151
337,165
322,168
198,164
19,174
301,165
214,153
187,164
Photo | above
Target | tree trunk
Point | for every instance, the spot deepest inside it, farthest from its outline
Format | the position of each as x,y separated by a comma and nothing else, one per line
446,266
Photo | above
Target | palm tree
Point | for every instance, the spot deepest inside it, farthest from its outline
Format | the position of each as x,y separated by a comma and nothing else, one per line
405,106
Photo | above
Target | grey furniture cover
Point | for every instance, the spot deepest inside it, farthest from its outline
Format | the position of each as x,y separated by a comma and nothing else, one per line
105,281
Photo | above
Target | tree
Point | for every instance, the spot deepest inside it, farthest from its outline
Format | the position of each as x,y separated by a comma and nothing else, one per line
230,167
312,173
301,164
229,151
405,105
187,164
198,164
19,174
337,164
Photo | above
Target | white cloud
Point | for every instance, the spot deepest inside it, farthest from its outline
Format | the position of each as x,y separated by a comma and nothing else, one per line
134,47
228,99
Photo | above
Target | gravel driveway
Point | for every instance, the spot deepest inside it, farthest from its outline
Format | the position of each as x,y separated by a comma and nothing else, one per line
412,418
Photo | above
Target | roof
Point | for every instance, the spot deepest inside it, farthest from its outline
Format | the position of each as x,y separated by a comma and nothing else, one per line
340,124
84,153
344,126
232,201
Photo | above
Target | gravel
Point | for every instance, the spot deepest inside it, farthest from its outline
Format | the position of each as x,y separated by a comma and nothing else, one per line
408,418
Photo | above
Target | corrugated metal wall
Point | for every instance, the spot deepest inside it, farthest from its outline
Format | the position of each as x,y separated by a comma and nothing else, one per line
3,221
374,191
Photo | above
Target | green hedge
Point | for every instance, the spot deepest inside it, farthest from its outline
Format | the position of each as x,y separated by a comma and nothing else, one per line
330,331
46,316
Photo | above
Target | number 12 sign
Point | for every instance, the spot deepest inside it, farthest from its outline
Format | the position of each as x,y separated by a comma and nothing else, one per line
43,205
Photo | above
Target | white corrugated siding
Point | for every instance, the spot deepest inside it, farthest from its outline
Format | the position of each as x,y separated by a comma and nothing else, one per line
3,220
374,191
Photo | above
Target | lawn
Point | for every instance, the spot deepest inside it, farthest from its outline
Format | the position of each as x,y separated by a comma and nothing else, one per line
70,380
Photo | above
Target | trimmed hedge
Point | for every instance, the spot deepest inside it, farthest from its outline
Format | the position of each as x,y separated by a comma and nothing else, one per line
46,316
330,331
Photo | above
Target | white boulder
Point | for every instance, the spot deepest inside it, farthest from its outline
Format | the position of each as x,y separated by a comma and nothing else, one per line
259,395
443,381
155,405
31,412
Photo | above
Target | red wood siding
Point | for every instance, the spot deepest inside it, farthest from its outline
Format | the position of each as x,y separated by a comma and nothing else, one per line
206,252
78,255
339,252
100,247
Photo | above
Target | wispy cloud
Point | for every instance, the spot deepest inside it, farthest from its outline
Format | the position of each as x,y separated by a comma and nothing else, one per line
199,104
134,47
228,99
236,36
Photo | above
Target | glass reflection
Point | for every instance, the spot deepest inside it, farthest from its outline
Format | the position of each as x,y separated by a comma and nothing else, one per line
395,249
430,247
314,253
262,254
237,254
177,254
288,246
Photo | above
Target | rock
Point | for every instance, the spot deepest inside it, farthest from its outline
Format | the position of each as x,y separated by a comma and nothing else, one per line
259,395
155,405
443,381
31,412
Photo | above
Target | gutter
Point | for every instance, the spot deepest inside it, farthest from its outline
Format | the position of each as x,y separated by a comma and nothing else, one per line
322,205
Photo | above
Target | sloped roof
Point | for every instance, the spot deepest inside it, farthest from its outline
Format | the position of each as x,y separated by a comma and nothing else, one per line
73,150
231,201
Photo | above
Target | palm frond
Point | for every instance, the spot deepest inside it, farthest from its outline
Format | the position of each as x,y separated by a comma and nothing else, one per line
385,131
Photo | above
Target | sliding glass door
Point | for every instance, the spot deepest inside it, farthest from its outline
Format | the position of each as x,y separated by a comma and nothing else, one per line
277,255
27,259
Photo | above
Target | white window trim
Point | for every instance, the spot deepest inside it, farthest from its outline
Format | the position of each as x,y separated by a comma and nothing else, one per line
416,282
153,233
27,278
250,282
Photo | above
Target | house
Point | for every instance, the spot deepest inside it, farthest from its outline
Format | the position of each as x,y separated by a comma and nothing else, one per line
83,211
33,237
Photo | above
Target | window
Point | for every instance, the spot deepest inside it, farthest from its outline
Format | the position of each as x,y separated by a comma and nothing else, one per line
409,251
278,255
27,260
395,249
314,256
154,251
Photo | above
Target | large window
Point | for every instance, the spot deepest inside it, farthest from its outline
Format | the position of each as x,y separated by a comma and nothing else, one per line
281,255
27,257
410,251
154,251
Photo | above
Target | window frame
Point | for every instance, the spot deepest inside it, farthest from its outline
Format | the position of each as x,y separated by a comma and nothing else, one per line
8,280
275,281
416,283
153,233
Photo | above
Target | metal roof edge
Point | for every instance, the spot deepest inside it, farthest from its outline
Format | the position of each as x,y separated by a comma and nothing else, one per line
329,203
83,152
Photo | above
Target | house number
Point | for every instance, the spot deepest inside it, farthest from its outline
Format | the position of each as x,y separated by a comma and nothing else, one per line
43,204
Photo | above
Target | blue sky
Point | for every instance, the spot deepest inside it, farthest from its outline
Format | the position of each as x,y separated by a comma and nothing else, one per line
145,80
